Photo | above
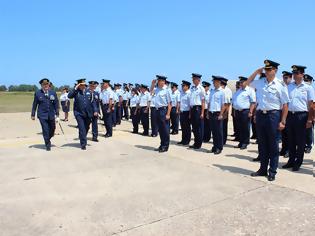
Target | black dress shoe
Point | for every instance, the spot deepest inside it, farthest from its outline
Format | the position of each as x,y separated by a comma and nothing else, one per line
163,149
48,148
271,177
282,152
308,150
153,135
134,132
158,149
191,146
145,134
257,159
258,173
235,140
83,147
253,137
243,147
217,152
286,155
287,166
95,140
174,133
108,136
238,145
180,143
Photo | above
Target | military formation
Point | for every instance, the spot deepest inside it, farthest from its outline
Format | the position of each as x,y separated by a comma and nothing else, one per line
274,110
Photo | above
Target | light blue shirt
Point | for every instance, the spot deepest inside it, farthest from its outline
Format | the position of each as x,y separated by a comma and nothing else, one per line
207,98
300,96
197,95
125,95
242,98
270,96
106,95
162,97
216,100
228,95
185,100
115,96
152,104
134,100
144,99
175,97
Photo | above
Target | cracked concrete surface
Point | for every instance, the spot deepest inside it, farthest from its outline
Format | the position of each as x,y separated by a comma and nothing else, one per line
120,186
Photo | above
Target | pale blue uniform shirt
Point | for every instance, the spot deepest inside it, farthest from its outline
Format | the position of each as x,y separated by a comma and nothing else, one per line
207,98
106,95
134,100
216,100
162,97
115,96
185,100
197,95
242,98
228,95
300,96
152,98
175,97
144,99
125,95
270,96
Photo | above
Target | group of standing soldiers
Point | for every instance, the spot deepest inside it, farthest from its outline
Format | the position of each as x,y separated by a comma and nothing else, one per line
275,109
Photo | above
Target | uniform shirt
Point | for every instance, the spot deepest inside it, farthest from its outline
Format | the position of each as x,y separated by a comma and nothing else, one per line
64,97
228,95
300,95
144,99
152,99
242,98
197,95
134,100
175,97
185,100
207,98
162,97
115,96
84,103
106,95
46,104
216,100
119,92
270,96
125,95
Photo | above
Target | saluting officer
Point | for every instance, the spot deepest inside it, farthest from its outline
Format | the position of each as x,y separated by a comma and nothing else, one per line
309,131
174,94
299,118
47,106
206,131
272,97
96,96
107,98
243,102
216,108
184,105
197,107
144,107
85,109
163,106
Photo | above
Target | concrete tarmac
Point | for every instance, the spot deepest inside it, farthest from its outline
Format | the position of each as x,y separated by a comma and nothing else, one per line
121,186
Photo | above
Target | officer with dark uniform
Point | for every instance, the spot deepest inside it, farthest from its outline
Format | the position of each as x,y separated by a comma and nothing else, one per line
309,131
96,97
47,106
272,109
235,124
144,107
300,117
107,102
85,109
184,113
206,129
228,100
197,107
175,94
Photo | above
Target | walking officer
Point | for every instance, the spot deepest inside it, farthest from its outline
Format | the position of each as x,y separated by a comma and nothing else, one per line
184,105
197,107
47,105
216,109
107,101
85,109
96,96
163,106
272,109
299,118
243,102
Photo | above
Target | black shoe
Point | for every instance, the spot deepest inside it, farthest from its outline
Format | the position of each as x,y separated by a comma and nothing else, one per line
48,148
134,132
235,140
257,159
258,173
158,149
174,133
194,147
145,134
217,152
238,145
286,155
308,150
287,166
180,143
163,149
295,168
108,135
153,135
271,177
282,152
83,147
94,139
243,147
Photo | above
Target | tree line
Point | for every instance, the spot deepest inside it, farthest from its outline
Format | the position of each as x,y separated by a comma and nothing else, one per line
27,88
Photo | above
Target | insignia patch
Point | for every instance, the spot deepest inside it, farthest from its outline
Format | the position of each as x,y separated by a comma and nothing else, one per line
52,97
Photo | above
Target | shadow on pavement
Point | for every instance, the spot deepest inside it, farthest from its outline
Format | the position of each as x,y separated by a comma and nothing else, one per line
233,169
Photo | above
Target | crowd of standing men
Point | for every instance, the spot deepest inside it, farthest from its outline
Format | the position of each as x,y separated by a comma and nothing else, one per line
274,109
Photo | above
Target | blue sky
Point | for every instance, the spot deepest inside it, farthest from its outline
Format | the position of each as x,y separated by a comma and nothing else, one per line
135,40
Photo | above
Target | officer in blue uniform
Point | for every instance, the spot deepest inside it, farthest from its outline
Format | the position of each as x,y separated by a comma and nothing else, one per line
85,109
47,106
184,105
96,97
235,124
153,112
300,117
163,106
216,109
144,107
309,131
272,109
206,129
107,102
228,100
134,112
243,102
197,107
175,94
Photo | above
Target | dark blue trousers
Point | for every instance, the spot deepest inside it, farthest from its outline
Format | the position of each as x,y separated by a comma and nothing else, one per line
186,128
154,126
225,128
285,140
197,125
309,137
296,127
216,127
114,120
174,120
83,125
118,110
267,136
207,129
48,130
108,120
164,127
135,117
95,127
144,117
243,125
125,110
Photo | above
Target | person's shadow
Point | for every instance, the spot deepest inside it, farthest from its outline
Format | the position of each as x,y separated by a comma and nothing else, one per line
75,145
242,157
233,169
145,147
40,146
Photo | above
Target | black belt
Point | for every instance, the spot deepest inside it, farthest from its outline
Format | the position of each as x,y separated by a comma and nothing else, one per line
160,108
297,112
197,106
214,112
241,110
267,112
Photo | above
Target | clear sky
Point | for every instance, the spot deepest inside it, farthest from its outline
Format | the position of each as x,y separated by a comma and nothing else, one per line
129,41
